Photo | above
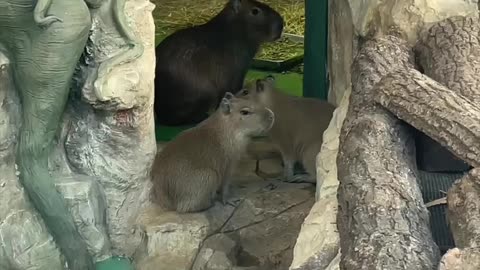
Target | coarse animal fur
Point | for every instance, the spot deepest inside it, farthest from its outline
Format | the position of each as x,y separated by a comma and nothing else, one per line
196,66
299,126
198,163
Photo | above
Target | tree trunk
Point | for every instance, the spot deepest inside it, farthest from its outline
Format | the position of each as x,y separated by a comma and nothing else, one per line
464,210
451,119
449,53
382,221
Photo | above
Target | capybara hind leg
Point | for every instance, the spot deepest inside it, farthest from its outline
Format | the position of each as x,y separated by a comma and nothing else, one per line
309,164
197,191
288,166
309,160
302,178
191,205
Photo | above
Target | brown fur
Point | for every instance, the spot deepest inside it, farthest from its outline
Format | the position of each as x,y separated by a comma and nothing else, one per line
190,170
197,65
298,128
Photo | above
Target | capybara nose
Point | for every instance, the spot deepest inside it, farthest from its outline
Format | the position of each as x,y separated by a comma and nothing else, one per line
279,27
277,30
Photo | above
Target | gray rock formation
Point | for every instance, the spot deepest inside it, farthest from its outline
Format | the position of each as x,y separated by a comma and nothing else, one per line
108,132
256,230
86,201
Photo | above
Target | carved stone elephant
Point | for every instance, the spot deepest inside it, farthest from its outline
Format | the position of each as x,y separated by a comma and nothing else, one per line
44,51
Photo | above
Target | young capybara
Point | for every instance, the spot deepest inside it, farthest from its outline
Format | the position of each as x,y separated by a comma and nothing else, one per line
192,168
196,66
299,126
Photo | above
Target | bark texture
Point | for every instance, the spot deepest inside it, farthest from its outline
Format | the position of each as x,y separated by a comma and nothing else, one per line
464,210
451,119
382,221
448,53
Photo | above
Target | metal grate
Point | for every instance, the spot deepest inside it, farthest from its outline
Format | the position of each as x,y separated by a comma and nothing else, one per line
434,186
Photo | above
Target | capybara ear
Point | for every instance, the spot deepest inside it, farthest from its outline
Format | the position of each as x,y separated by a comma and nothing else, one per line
259,85
236,4
270,78
229,95
225,106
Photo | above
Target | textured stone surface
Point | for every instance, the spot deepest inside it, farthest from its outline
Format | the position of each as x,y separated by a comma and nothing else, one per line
24,240
175,237
257,228
318,242
86,201
350,20
217,253
108,131
327,157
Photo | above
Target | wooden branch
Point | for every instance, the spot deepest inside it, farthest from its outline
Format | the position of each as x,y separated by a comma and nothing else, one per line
382,221
436,202
449,53
464,210
449,118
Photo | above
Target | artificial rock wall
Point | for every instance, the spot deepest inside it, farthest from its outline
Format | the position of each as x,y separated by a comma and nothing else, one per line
103,153
350,22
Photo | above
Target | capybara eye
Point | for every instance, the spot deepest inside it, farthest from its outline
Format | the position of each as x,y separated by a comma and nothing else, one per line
255,11
244,112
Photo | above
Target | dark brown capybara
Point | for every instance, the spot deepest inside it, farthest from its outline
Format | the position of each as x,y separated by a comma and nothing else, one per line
196,66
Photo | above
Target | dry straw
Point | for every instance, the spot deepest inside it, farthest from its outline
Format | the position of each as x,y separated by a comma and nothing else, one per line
172,15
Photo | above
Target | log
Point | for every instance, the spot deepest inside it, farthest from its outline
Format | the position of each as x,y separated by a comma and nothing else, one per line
382,221
463,211
448,53
446,116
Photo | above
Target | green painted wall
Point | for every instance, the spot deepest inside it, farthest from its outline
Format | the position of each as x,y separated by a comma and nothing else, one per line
315,82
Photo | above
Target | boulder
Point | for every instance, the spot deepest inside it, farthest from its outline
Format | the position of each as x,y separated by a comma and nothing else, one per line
318,242
108,129
86,201
257,229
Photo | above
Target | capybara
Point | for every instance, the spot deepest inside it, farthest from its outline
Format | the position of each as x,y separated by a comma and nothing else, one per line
299,125
196,66
195,165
